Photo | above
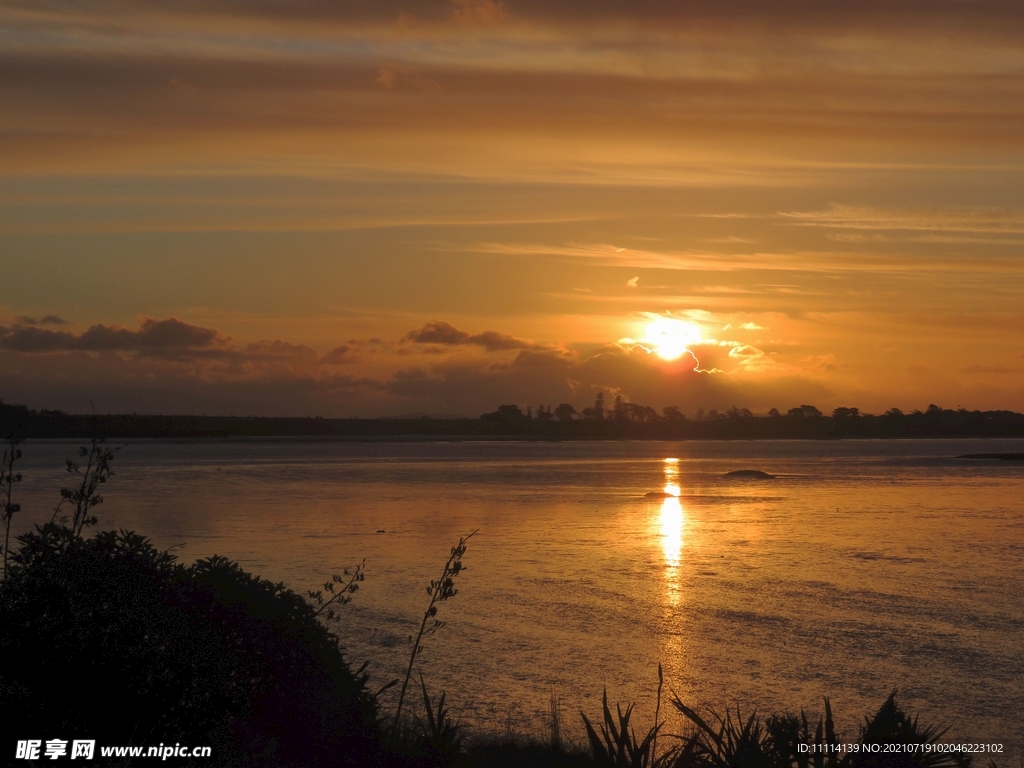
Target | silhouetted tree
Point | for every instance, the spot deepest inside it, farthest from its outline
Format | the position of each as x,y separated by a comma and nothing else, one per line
805,412
597,412
636,414
508,414
672,413
565,412
619,409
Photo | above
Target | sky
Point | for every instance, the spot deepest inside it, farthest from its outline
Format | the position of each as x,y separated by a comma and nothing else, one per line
398,207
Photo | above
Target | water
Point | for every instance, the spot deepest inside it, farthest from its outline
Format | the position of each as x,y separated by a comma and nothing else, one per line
864,566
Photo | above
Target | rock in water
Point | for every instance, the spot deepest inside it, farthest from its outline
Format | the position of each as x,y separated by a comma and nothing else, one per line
999,456
749,474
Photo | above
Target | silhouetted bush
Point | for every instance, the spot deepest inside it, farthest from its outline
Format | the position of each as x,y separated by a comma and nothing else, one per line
108,638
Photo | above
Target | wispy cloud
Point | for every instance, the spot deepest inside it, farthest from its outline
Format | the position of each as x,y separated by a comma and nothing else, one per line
801,261
935,222
639,93
991,369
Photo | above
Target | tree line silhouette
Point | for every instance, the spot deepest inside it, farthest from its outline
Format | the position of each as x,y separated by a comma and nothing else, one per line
625,419
622,419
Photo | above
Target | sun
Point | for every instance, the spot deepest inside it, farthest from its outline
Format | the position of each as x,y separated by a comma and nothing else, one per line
671,338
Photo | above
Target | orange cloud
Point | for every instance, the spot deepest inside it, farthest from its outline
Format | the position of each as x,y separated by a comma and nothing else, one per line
152,335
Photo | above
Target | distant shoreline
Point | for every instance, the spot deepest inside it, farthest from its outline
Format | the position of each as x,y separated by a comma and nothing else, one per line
996,456
933,423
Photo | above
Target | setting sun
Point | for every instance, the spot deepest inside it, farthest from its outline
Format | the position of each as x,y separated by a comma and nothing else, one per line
671,338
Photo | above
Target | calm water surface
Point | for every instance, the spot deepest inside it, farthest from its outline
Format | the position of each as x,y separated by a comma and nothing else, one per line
864,566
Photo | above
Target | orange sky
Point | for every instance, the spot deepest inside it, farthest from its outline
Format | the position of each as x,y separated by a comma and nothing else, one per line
375,208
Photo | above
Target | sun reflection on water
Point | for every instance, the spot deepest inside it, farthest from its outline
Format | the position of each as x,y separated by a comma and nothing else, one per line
671,519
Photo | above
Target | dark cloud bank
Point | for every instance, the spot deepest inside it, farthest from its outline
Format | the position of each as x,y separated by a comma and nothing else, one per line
171,366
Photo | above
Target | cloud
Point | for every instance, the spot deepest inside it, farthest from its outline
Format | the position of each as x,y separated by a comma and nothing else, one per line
990,369
493,341
152,335
172,366
750,358
590,90
702,261
744,327
974,225
643,378
866,15
46,320
632,282
398,77
479,11
473,387
281,350
341,355
436,332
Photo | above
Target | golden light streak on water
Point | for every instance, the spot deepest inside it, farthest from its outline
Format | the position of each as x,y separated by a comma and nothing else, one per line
671,521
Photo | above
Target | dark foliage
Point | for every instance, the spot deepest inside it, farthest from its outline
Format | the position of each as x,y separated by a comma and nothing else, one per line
746,742
616,746
507,754
891,725
108,638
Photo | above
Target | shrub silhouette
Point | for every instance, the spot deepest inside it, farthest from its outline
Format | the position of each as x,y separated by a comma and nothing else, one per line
110,639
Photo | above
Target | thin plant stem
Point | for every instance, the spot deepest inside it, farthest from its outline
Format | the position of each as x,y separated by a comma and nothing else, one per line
556,723
8,477
657,715
339,595
85,497
440,590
